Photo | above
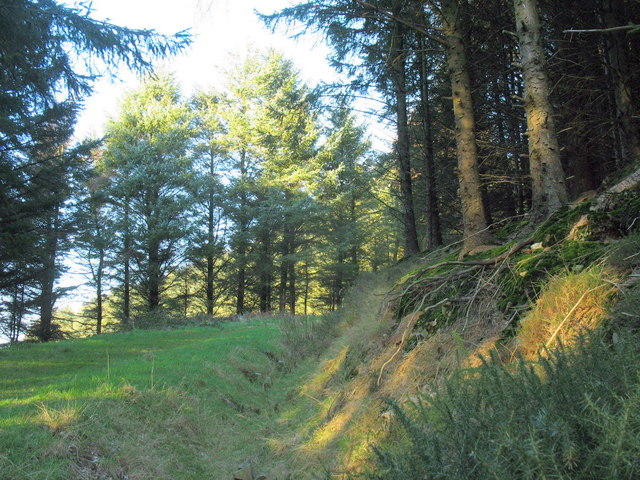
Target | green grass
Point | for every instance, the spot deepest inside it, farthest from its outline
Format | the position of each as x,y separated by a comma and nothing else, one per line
183,404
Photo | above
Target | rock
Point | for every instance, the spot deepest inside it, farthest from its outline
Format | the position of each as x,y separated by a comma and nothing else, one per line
244,472
536,246
577,227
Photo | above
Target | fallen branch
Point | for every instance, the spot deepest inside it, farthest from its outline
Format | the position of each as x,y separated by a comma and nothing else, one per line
404,336
631,27
487,262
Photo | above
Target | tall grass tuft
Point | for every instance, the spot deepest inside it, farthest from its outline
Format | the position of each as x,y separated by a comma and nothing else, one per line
575,413
302,336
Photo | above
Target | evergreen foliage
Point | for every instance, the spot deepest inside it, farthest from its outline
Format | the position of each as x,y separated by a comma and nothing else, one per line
573,414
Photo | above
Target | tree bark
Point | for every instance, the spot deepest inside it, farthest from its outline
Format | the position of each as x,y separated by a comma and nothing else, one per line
398,74
47,296
628,131
210,240
99,302
126,304
549,191
473,211
242,244
432,214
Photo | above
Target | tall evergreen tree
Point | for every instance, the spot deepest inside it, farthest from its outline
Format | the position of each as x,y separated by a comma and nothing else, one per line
147,150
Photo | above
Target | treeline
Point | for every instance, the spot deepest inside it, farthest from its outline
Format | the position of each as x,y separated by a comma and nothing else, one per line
251,199
255,198
528,103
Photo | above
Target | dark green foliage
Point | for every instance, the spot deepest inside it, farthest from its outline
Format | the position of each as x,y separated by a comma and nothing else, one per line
626,253
50,55
627,310
572,415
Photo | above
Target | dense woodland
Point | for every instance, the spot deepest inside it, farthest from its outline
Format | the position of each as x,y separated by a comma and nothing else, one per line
266,195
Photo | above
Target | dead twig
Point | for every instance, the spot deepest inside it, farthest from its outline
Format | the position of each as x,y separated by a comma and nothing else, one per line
404,337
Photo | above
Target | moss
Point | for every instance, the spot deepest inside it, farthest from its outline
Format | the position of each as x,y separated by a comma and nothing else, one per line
522,283
621,218
510,229
557,227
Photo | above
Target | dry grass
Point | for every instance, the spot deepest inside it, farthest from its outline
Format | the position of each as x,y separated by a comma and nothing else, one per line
569,304
59,419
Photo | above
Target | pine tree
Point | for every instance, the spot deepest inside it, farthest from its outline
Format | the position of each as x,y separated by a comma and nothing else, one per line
147,150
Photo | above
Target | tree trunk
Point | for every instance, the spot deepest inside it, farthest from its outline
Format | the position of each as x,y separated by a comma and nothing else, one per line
432,214
549,192
242,244
153,276
210,240
126,304
628,131
47,296
99,276
398,74
473,211
292,288
282,300
265,273
307,281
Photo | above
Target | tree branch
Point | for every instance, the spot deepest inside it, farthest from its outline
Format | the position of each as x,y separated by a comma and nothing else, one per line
391,16
631,27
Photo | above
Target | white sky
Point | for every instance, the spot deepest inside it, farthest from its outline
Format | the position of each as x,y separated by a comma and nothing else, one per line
222,30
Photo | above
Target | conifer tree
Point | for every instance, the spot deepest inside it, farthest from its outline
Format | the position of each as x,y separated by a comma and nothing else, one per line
146,149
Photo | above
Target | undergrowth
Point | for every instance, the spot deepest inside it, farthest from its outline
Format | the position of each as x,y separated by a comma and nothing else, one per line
572,414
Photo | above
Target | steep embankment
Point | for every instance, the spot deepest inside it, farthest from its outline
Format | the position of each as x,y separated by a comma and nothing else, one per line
404,335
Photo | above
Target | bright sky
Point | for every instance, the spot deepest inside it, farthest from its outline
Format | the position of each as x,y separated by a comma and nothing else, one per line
222,30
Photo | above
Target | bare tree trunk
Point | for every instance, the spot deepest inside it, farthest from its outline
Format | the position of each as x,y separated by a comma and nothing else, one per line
549,190
153,276
292,288
617,52
282,300
265,272
434,230
307,281
126,306
99,301
47,295
398,75
473,210
242,244
210,239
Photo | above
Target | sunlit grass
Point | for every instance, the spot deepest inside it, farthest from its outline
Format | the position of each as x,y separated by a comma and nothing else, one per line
145,404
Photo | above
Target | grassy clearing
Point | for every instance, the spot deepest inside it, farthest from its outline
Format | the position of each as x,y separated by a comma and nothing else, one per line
187,404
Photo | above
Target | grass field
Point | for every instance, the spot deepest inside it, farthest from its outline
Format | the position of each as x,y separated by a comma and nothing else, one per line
187,404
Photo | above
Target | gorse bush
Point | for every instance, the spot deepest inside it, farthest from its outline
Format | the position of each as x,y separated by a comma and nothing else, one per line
574,414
